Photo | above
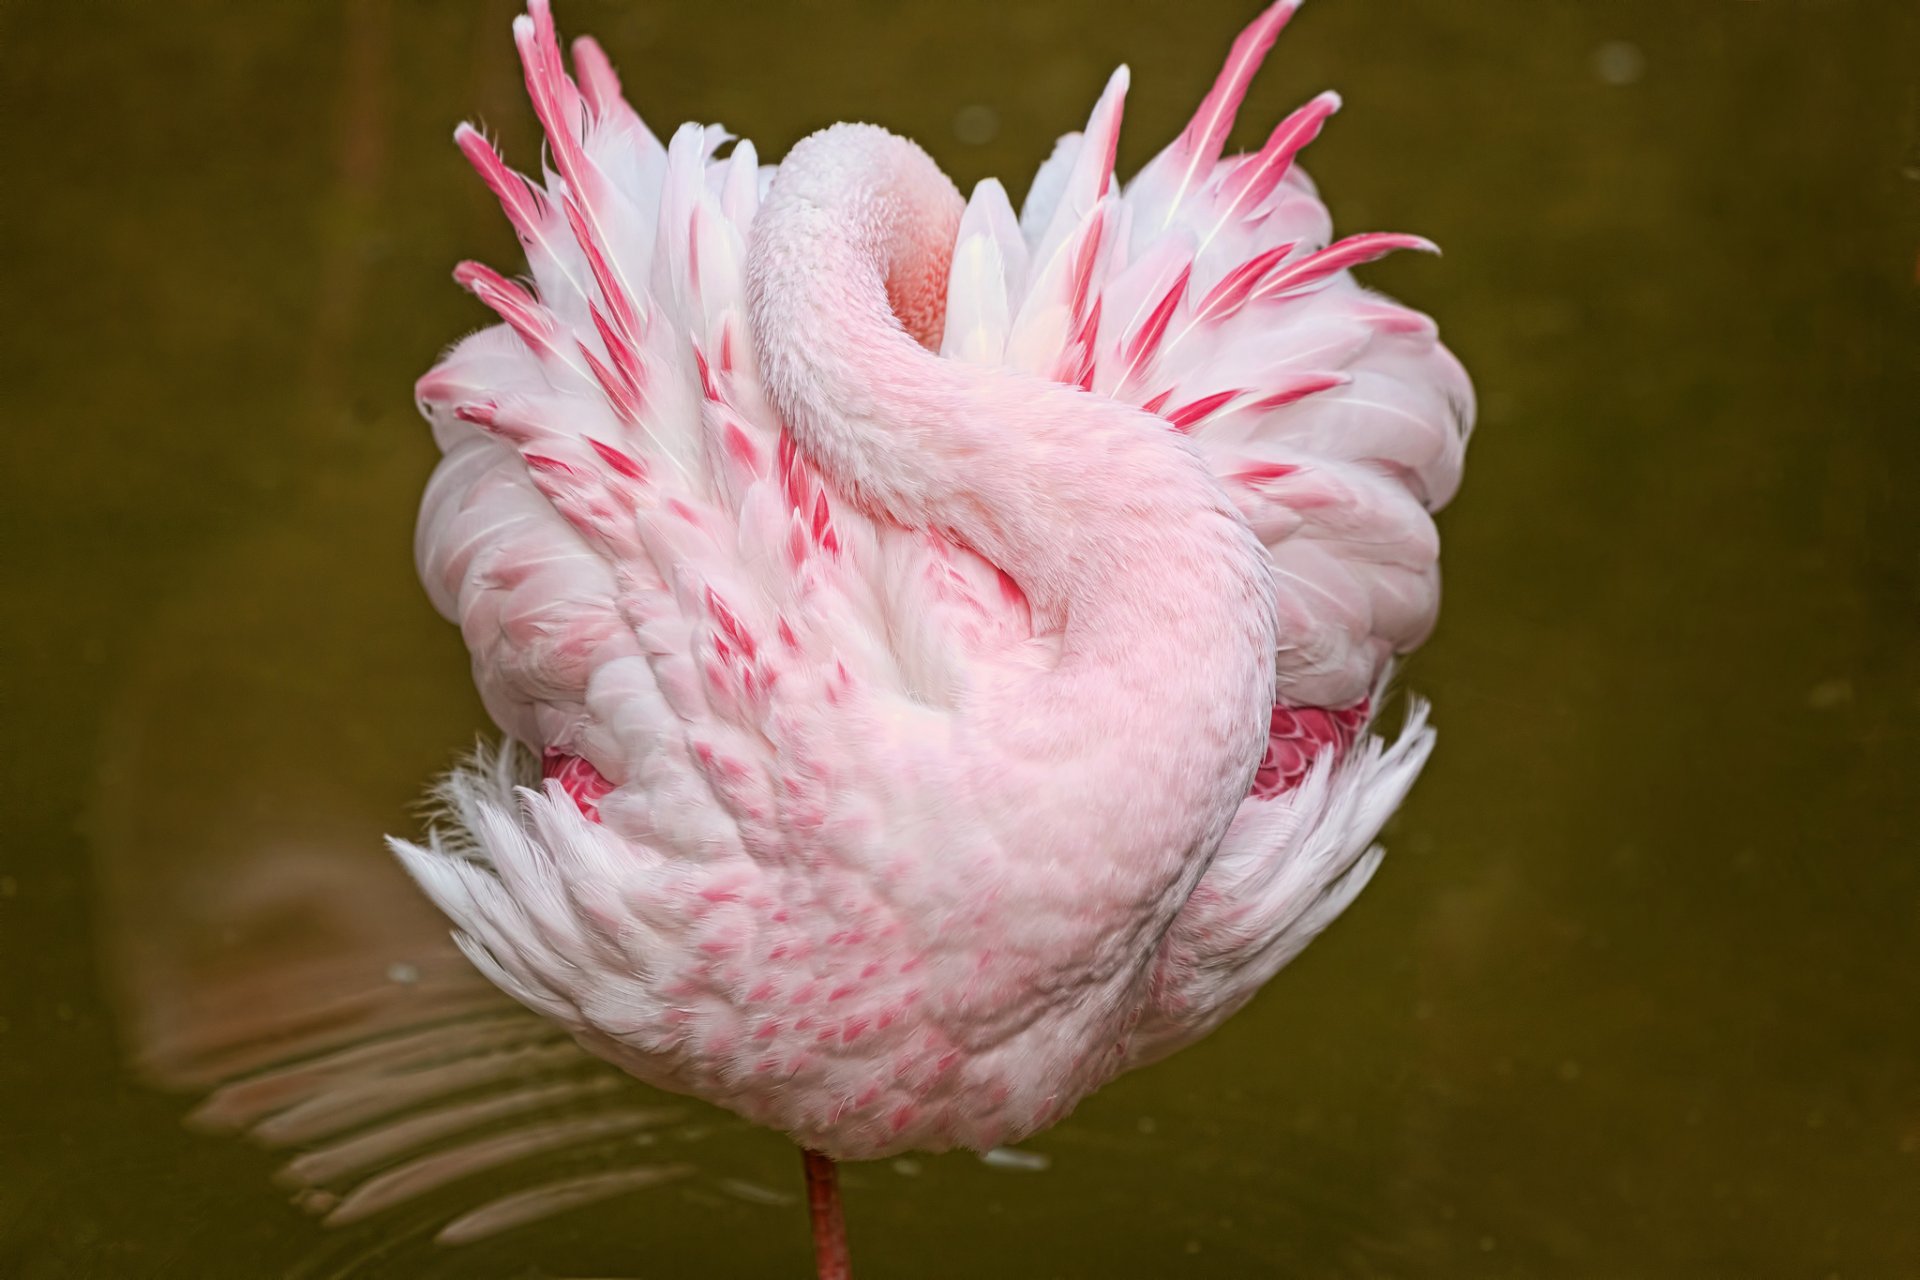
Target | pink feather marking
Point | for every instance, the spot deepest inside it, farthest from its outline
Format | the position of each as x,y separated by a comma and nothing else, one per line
489,415
730,624
1076,363
626,361
611,290
1145,341
1296,738
555,99
1255,178
707,387
552,466
620,460
786,635
1390,318
1206,135
1103,131
1264,472
599,83
783,453
1083,259
520,200
511,303
740,448
558,105
1083,342
822,518
1238,285
1158,402
583,783
613,385
1351,252
1187,416
1299,388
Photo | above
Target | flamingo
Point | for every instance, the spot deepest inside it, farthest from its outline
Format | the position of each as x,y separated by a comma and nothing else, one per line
948,638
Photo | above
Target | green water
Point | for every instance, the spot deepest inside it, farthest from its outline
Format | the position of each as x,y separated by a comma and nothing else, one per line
1637,993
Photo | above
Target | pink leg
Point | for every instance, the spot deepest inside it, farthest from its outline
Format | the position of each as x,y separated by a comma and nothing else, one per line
829,1227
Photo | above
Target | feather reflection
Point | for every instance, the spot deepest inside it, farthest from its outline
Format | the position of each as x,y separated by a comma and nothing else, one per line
268,957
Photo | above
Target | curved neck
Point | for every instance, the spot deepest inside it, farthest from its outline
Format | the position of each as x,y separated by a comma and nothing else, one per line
1142,740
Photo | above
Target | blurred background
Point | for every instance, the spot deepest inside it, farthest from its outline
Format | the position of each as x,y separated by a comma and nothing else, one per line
1637,991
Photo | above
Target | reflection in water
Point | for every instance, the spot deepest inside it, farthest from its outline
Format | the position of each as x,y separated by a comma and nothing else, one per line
274,959
270,955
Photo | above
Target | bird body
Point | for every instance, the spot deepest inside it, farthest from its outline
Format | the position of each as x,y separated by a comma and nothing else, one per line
948,637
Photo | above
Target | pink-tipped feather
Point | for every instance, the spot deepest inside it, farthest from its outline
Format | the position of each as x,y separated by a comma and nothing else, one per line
1094,169
557,103
619,459
1188,416
623,379
600,88
1238,285
619,303
1090,178
526,206
1247,187
513,304
1297,387
1204,138
523,203
1340,256
1139,350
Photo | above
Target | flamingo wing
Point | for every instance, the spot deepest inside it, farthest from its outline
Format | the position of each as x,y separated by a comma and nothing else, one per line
722,666
1210,291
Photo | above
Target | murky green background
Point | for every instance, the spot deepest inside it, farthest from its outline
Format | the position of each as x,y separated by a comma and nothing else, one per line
1637,992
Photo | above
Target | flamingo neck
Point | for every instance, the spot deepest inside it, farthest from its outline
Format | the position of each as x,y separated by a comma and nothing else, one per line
1136,747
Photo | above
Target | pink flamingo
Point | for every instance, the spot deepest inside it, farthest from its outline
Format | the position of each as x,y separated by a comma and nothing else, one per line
949,636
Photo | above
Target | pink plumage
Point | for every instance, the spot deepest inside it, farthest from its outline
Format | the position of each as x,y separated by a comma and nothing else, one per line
948,636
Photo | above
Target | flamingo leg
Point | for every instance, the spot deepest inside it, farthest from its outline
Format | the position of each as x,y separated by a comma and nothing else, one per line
829,1225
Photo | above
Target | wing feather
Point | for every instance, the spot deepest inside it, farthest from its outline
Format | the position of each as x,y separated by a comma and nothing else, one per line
1337,421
